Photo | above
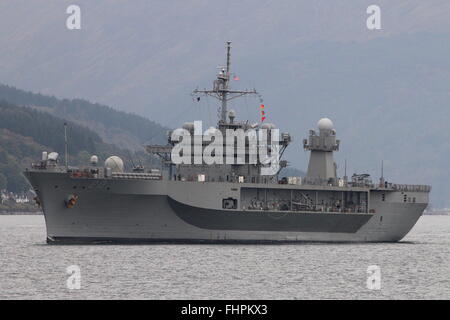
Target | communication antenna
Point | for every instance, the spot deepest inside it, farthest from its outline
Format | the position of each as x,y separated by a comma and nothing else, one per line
345,167
66,152
345,170
382,174
221,88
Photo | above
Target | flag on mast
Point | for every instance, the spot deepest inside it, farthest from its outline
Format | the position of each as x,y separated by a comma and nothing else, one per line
263,113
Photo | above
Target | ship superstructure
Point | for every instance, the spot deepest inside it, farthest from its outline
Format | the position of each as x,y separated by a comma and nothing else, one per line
231,201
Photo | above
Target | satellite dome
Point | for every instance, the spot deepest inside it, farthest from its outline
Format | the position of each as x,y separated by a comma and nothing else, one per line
232,113
115,163
325,124
53,156
94,160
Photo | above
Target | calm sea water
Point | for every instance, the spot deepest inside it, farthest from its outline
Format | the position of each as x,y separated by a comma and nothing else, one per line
417,268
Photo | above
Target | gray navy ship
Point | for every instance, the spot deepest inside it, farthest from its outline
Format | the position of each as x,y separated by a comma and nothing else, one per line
223,203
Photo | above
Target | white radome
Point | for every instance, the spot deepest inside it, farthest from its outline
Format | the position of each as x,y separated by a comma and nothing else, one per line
94,160
115,163
53,156
325,124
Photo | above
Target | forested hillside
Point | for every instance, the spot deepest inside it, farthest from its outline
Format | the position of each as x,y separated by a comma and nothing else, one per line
126,130
26,132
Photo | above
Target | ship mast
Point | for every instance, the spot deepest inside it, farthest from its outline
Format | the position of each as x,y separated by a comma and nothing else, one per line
221,89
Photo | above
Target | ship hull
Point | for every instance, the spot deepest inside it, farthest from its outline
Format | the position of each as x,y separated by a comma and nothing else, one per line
143,211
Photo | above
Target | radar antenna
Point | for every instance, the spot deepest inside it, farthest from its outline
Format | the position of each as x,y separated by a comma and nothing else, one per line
221,88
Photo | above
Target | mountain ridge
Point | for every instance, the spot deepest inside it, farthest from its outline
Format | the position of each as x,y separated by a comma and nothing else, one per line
126,130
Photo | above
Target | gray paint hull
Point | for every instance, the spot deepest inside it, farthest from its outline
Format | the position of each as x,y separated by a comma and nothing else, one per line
164,211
